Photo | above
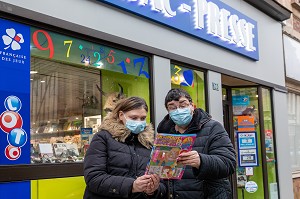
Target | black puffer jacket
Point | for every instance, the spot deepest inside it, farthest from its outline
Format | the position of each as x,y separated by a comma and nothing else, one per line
115,159
217,158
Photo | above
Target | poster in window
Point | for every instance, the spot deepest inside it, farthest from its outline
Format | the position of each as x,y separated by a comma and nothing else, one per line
269,141
247,149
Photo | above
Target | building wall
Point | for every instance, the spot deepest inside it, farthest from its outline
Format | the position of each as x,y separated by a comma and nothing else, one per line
91,17
292,25
291,28
98,20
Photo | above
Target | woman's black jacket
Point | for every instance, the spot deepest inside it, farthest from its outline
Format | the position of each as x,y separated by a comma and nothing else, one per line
115,159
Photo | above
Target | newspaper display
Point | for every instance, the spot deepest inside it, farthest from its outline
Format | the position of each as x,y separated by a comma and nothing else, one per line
165,152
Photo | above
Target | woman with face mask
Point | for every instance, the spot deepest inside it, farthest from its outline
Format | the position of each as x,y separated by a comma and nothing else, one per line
116,160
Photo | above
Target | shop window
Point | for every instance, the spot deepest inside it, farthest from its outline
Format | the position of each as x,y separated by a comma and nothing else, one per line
74,85
294,129
190,80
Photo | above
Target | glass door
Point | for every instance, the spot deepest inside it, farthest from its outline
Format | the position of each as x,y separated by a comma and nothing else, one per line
250,180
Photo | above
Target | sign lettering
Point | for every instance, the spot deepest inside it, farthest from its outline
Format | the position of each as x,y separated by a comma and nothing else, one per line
210,20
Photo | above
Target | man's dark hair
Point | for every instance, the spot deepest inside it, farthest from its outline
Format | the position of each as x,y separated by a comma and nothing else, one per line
175,94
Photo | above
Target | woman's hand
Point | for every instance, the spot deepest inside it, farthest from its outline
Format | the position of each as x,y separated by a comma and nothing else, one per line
191,158
153,185
141,183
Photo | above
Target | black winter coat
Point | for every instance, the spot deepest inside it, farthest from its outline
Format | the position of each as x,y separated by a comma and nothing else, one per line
217,157
115,159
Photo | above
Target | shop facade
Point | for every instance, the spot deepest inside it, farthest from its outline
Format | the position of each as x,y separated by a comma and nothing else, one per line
74,59
291,35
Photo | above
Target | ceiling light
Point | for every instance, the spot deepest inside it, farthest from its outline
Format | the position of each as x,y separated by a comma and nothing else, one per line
33,72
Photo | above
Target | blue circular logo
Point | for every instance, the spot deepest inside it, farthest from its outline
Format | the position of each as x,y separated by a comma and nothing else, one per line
13,103
17,137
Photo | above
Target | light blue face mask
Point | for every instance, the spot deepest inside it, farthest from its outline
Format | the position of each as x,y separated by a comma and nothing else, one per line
135,126
181,116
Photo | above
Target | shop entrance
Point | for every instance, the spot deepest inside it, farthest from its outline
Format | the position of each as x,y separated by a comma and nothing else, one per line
247,115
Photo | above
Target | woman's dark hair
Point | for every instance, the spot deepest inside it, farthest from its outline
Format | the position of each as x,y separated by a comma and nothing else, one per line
175,94
129,104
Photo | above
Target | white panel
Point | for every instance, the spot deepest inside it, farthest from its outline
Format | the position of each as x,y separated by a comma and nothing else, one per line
215,96
161,86
282,144
292,57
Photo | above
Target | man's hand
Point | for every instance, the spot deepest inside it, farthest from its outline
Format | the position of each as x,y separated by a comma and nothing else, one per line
191,158
153,185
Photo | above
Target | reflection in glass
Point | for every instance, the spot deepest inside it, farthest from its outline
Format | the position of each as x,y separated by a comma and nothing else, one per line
269,141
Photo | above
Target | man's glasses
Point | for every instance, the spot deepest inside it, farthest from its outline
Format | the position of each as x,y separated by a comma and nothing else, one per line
183,104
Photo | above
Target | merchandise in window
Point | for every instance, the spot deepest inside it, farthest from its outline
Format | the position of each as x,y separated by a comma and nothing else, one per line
74,85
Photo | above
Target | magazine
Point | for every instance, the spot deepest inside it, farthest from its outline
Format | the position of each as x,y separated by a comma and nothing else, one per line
60,149
45,149
165,152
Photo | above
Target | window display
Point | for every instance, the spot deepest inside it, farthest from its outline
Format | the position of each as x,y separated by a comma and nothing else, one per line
190,80
74,84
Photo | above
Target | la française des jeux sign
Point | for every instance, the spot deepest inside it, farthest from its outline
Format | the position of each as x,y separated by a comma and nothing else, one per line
210,20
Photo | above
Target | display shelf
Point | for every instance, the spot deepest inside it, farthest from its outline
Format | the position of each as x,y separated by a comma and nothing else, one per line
54,134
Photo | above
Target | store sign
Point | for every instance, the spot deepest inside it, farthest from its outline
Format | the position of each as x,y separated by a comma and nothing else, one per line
53,46
14,93
210,20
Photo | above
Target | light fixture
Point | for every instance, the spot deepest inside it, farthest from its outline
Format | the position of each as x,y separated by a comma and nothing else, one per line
33,72
43,81
256,96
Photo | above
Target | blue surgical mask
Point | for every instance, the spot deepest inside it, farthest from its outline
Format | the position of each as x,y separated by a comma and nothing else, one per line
181,116
135,126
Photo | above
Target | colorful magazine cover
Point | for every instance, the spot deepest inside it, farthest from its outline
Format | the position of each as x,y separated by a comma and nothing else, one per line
165,152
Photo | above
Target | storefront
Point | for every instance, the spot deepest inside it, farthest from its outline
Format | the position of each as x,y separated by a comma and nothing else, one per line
64,64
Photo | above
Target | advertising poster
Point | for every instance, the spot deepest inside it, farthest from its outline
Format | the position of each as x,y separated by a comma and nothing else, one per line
86,138
14,93
246,123
241,177
248,157
86,135
247,149
14,103
240,104
247,140
269,141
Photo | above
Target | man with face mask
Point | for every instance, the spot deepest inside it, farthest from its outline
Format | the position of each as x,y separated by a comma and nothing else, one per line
212,158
